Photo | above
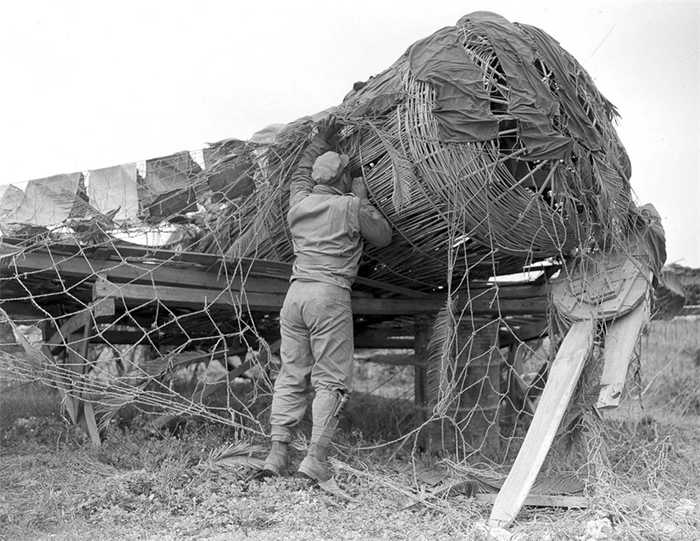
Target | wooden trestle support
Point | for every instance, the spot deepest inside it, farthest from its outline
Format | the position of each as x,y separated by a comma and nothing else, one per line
105,283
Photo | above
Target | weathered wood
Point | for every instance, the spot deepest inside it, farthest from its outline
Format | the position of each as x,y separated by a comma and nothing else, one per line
77,349
471,419
541,500
384,338
136,294
183,359
91,424
23,310
187,297
163,273
395,359
604,287
515,390
104,308
620,340
100,308
123,249
522,332
260,275
563,377
169,272
69,327
422,329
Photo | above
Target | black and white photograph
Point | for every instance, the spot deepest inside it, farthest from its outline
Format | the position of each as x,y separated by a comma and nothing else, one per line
366,270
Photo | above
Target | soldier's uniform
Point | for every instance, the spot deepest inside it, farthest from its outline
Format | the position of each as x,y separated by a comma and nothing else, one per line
328,228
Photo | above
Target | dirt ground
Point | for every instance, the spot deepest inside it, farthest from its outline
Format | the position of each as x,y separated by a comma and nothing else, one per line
141,485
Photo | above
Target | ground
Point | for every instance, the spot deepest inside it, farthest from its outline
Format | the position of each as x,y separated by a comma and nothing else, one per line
138,485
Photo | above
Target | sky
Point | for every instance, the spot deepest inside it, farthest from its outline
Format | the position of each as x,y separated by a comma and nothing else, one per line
87,85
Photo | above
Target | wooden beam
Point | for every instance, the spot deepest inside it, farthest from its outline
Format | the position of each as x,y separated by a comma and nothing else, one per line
102,307
541,500
384,338
80,266
484,303
395,359
91,424
201,270
122,337
620,340
563,377
135,294
422,330
522,332
69,327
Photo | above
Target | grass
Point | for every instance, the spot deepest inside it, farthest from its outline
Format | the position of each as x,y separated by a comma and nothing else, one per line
26,400
139,485
671,365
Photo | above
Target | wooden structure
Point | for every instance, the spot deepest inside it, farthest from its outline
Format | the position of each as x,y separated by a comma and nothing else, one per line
608,296
131,294
125,294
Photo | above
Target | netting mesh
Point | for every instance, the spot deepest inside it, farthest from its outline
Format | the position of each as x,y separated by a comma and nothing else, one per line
190,328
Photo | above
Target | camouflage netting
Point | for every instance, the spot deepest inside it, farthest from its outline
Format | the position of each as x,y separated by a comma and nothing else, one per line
487,147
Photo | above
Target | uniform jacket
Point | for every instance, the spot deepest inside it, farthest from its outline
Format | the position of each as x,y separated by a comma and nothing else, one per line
328,227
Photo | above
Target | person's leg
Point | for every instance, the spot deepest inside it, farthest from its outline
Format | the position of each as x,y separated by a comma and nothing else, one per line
289,400
332,345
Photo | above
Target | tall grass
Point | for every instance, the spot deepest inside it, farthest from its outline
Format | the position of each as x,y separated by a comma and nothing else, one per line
22,400
670,365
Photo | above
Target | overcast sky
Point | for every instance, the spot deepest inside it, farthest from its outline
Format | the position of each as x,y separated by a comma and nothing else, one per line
90,84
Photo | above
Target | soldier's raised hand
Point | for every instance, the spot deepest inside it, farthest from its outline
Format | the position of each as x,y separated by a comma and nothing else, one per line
329,128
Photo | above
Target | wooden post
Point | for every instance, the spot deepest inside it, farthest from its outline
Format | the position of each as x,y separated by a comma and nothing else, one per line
563,377
470,424
478,366
77,340
512,400
420,348
70,334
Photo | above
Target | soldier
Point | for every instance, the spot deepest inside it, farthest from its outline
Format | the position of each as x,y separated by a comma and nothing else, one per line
329,218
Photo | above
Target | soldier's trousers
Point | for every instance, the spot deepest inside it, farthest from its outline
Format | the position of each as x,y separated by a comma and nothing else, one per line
317,342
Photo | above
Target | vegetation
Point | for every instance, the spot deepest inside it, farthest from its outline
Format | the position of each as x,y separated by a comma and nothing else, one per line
193,484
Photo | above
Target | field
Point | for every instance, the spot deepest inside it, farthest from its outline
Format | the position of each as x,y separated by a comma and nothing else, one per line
176,486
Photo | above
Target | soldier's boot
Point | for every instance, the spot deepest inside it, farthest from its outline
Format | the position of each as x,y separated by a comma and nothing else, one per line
277,459
315,464
325,410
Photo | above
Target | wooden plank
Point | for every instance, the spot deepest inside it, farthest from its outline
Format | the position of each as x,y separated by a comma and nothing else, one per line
121,337
422,329
24,310
384,338
168,268
70,326
482,305
541,500
522,332
563,377
91,423
395,359
620,340
603,287
77,357
164,273
135,294
186,297
175,361
172,273
690,310
103,308
487,299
